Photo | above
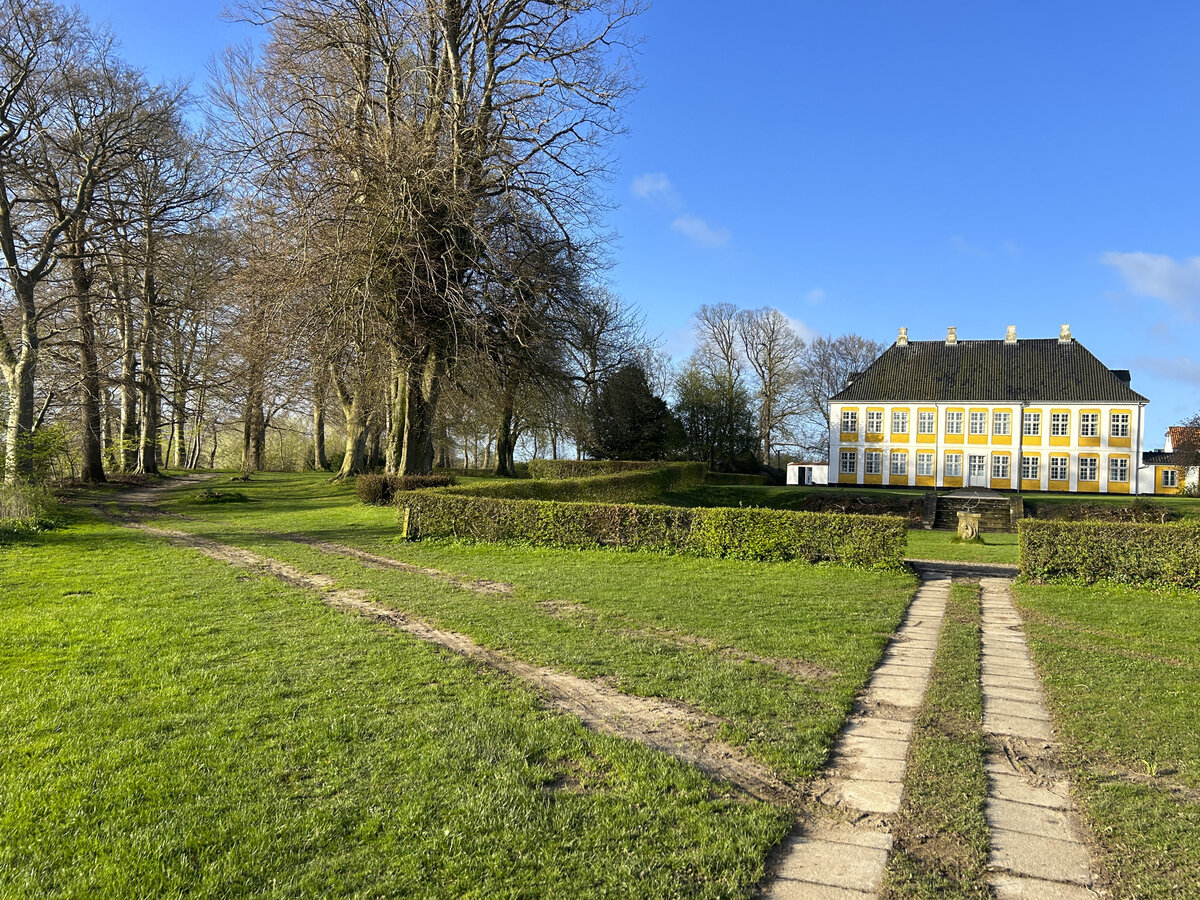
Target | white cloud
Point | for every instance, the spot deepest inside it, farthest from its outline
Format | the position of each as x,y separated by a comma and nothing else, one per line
1159,276
816,295
653,185
1177,368
700,231
802,329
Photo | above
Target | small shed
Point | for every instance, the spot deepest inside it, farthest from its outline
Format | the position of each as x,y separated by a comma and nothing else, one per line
808,473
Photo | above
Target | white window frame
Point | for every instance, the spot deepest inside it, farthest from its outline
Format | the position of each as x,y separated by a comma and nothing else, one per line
978,423
900,416
1089,425
1118,469
1089,465
1031,468
954,463
899,464
850,457
925,463
873,462
1119,425
1060,461
877,416
1001,465
1002,423
850,417
1031,424
954,422
1170,478
1060,424
926,422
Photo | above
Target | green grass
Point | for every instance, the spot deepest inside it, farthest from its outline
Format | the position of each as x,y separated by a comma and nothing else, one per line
1121,668
941,833
991,548
776,496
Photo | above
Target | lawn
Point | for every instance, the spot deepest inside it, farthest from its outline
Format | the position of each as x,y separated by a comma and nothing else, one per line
177,726
1121,667
989,548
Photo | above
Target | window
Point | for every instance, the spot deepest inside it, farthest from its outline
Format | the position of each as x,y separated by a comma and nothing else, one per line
899,463
1170,478
1120,425
954,423
1089,424
850,421
954,464
1118,469
1030,468
1087,468
875,422
849,461
1000,466
1033,423
1002,423
900,422
1060,468
873,462
924,463
926,423
1060,424
978,423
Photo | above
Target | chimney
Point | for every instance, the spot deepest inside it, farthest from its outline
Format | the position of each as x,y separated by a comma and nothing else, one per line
1064,334
1123,375
951,336
1010,336
902,338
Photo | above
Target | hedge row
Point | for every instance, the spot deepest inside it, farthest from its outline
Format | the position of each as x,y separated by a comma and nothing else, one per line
638,486
744,533
552,469
735,478
1089,551
520,470
378,490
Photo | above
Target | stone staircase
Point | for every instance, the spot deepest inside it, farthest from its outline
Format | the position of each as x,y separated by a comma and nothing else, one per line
996,512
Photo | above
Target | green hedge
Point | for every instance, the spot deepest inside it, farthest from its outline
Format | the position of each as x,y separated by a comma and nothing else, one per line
520,470
553,469
378,490
640,486
756,534
734,478
1089,551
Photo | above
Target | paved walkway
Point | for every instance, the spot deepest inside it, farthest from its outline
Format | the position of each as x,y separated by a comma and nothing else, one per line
845,857
1036,847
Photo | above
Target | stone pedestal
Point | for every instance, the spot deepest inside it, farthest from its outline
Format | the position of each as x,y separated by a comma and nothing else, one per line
968,526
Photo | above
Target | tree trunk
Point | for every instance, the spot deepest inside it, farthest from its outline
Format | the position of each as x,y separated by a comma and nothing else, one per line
147,462
422,388
19,458
355,460
320,459
92,459
504,434
179,407
254,423
127,452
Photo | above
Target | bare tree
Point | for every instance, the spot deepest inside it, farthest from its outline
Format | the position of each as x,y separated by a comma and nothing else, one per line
829,364
775,354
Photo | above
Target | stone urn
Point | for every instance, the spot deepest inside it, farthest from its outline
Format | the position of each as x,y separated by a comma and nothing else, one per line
968,526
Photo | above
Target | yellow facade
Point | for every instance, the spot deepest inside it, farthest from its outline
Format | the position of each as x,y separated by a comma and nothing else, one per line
1121,487
1159,487
1003,440
1033,440
1054,484
1000,483
1058,440
952,480
874,434
1090,440
972,415
850,436
957,436
930,437
901,436
1114,441
1091,485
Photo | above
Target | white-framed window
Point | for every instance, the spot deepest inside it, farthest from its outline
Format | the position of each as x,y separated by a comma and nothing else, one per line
1033,423
1030,468
1118,469
925,464
1170,478
875,421
1060,424
900,421
849,462
1002,423
1000,465
978,423
899,463
1060,468
926,423
954,465
873,462
1120,425
954,422
1087,468
1089,424
849,421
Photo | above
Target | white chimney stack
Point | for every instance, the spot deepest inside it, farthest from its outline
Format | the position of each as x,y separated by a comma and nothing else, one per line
1064,334
902,338
951,336
1010,336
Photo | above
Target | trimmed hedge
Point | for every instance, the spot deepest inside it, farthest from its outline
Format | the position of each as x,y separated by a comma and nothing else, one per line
520,470
638,486
746,533
1137,509
1126,552
735,478
553,469
378,490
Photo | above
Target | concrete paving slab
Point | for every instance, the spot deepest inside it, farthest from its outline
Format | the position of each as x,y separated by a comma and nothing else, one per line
902,682
828,863
788,889
1030,729
879,726
1018,790
1021,694
1016,887
877,747
1026,818
1040,857
848,834
907,697
866,796
1024,709
871,768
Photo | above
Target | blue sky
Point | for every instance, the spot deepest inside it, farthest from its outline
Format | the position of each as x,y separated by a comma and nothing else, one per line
867,165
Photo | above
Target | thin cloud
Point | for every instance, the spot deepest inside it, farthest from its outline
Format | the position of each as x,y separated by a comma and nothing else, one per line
1177,368
816,295
1176,282
653,186
801,328
700,231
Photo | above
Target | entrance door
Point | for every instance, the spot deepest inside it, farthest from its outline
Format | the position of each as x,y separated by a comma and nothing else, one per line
978,471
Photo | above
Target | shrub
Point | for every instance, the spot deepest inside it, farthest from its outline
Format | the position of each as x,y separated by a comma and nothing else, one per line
552,469
1129,552
735,478
520,470
1138,509
378,490
755,534
26,508
638,486
209,495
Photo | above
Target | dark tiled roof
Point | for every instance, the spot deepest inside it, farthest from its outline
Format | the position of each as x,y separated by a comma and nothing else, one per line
1161,458
1037,371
